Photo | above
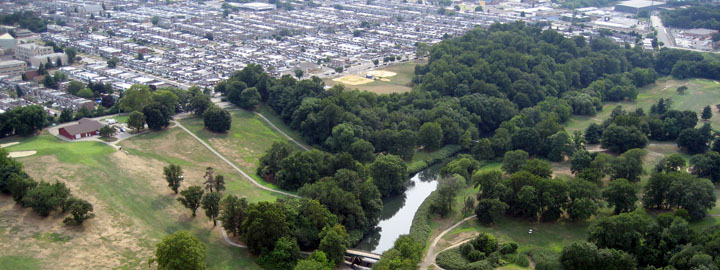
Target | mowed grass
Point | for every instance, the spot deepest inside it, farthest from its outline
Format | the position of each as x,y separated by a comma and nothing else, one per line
18,263
276,120
400,83
134,206
246,141
700,93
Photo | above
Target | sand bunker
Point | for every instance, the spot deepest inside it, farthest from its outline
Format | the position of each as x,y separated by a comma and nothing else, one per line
353,80
381,73
18,154
385,80
8,144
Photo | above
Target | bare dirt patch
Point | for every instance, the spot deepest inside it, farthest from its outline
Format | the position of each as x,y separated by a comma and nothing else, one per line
8,144
381,73
99,243
353,80
18,154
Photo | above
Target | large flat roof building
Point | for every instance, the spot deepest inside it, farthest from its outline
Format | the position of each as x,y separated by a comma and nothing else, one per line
635,6
12,67
25,51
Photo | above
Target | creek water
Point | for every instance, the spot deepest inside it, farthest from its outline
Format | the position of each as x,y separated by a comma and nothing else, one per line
398,211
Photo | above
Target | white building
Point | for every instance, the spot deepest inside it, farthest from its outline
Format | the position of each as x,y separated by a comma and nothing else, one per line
35,61
25,51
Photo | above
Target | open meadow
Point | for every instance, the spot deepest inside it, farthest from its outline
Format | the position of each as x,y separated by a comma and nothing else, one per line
399,83
700,93
246,141
134,208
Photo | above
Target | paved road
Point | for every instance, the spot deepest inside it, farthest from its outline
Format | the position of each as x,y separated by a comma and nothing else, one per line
430,256
663,34
233,165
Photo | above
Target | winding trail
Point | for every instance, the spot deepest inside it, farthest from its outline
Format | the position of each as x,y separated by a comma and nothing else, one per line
227,239
233,165
281,132
430,256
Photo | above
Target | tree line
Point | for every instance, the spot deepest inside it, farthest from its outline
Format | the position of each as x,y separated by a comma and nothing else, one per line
696,15
275,231
490,81
42,197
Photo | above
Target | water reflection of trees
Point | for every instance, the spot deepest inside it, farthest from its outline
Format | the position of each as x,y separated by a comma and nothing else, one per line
371,240
431,173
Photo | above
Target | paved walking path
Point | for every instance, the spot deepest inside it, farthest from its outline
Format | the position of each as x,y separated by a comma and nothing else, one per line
430,256
281,132
233,165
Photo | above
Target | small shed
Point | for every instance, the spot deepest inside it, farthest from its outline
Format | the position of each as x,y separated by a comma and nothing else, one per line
84,128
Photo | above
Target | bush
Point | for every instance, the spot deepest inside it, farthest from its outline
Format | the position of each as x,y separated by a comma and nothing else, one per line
518,259
478,265
475,255
451,260
507,248
545,260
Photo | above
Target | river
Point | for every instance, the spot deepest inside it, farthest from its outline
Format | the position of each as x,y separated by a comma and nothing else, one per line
398,212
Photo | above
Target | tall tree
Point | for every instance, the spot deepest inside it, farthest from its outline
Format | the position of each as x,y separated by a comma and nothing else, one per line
430,135
389,174
334,243
706,113
621,194
182,251
217,119
514,161
264,224
232,213
136,120
211,205
174,176
191,198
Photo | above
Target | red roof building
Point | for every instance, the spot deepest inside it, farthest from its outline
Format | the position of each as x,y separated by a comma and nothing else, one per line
84,128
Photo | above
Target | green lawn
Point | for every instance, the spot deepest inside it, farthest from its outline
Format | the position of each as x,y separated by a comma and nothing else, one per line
277,121
134,207
400,83
700,93
248,139
18,263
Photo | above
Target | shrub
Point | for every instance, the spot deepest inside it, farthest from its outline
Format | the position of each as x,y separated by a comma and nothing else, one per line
545,260
451,260
478,265
475,255
507,248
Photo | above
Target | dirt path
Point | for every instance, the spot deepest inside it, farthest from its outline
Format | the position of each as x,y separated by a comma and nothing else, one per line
430,256
233,165
281,132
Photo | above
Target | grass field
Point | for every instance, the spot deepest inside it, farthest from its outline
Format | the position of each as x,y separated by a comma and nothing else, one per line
248,139
273,117
700,93
399,83
134,207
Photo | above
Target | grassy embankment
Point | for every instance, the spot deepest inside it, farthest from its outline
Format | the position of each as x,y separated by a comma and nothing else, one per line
134,207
